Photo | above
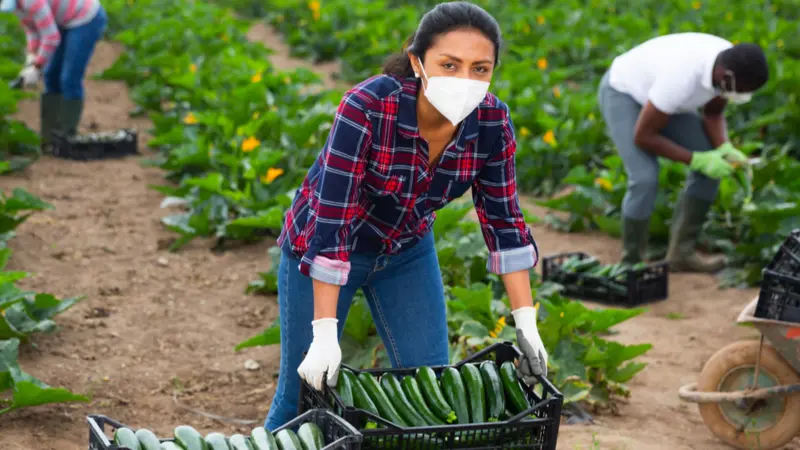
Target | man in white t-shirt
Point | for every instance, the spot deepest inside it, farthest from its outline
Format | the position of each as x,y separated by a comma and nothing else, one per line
665,98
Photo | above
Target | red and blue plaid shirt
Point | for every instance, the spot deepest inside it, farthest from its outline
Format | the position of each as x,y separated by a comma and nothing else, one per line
372,189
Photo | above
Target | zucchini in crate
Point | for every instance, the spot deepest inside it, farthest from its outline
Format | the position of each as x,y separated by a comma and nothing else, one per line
288,440
517,402
475,392
414,395
188,438
455,393
495,398
216,441
385,407
125,437
147,439
426,378
263,439
170,446
344,388
400,402
310,436
240,442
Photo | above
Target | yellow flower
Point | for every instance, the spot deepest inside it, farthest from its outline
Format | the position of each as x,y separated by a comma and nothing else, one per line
190,119
540,20
536,306
696,5
604,184
256,115
736,42
524,132
193,68
550,138
256,78
556,92
250,144
779,43
314,6
526,29
562,314
498,327
271,174
591,117
287,80
542,63
224,38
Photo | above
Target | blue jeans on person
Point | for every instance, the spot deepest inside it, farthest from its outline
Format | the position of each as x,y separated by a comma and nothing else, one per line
405,296
66,69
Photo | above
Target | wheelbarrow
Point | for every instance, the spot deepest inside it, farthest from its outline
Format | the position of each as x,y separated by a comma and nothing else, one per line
749,391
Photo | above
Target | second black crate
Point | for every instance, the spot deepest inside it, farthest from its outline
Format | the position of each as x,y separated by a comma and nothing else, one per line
91,147
779,298
533,429
787,259
637,286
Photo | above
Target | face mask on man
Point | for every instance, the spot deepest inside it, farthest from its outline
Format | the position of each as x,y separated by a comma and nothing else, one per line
8,5
455,98
729,92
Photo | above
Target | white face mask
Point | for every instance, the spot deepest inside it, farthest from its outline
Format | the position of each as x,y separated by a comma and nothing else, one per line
455,98
730,94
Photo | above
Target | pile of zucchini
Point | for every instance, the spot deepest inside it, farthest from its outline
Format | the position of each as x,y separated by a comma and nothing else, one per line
475,393
592,266
308,437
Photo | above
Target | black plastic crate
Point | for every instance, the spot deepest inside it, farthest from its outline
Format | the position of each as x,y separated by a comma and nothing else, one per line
118,144
640,286
533,429
787,260
779,298
339,434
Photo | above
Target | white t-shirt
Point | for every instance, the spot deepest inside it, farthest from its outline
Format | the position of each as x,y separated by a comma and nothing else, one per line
673,71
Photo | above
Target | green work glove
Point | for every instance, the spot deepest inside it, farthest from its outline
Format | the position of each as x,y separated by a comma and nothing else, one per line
711,163
732,154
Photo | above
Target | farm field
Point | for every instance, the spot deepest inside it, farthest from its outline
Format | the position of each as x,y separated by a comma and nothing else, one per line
166,302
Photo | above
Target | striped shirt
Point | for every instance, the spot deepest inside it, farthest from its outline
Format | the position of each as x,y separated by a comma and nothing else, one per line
372,189
42,19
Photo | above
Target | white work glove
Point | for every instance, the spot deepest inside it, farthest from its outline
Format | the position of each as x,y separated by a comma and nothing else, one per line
30,76
30,58
323,356
534,356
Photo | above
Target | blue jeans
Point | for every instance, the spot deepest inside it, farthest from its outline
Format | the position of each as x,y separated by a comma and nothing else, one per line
66,69
406,299
621,112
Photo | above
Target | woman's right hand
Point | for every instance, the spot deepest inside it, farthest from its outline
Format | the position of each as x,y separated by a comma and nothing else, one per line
324,355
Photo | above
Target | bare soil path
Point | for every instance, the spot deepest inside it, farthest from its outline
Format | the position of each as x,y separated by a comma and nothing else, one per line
158,327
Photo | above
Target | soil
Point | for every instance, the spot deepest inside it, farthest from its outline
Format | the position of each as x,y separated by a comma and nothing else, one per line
156,331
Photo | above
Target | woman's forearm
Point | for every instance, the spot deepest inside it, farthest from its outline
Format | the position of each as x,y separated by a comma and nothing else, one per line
518,288
326,298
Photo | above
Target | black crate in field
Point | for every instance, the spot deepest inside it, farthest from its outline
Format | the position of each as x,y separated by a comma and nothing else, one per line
338,434
787,260
637,286
96,146
779,298
533,429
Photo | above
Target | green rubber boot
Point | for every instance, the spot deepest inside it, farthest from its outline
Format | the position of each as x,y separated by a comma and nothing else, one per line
49,114
71,111
690,214
635,235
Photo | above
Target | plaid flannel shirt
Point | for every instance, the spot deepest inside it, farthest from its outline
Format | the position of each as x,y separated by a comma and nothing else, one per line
372,190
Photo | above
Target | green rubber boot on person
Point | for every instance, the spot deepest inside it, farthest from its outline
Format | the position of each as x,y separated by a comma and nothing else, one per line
690,214
635,235
71,111
49,114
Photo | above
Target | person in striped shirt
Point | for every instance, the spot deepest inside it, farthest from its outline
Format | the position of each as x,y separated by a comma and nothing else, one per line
61,37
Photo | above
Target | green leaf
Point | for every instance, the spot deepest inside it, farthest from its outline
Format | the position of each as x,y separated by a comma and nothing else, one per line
270,336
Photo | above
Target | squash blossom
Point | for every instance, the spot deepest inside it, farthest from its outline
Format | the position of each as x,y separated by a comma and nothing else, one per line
550,138
542,63
250,144
603,183
193,68
256,78
190,119
524,132
540,20
556,92
271,175
779,43
498,327
696,5
314,6
256,115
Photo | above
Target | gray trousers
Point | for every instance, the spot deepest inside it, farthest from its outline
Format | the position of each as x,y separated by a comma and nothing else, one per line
621,112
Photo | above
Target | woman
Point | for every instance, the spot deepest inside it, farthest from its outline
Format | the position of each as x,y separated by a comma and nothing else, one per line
61,38
649,99
402,145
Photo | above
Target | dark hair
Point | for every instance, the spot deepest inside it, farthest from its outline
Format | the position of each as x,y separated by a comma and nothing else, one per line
748,64
443,18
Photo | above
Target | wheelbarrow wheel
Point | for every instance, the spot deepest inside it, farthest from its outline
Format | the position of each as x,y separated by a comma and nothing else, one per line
763,424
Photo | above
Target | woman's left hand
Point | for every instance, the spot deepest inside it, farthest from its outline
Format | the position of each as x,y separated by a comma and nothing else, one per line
534,355
30,76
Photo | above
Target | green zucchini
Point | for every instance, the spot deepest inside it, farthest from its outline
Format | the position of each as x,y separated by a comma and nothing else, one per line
414,395
476,398
344,389
377,395
125,437
495,399
263,439
400,402
216,441
147,439
585,264
170,446
361,399
310,436
288,440
240,442
433,395
517,402
455,393
188,438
